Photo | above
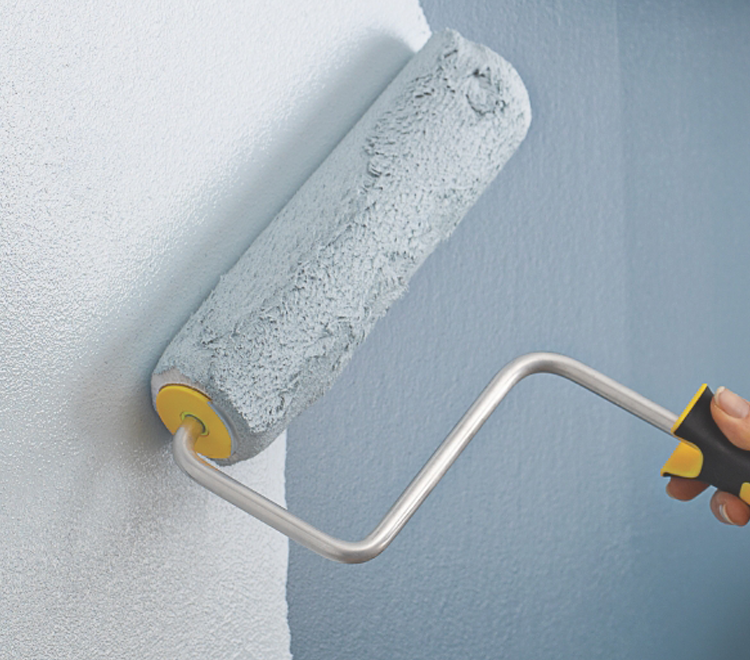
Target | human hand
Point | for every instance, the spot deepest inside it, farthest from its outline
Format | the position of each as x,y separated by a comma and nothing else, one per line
732,415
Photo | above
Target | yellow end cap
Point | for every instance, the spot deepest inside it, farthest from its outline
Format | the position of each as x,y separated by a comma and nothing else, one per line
174,402
686,461
745,493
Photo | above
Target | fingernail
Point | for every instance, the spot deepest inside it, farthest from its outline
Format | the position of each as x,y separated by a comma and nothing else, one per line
731,404
723,512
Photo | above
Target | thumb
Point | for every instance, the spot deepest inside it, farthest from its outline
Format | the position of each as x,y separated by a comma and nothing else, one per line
732,415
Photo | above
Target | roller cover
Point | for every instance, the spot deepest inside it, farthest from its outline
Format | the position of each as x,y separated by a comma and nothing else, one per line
283,322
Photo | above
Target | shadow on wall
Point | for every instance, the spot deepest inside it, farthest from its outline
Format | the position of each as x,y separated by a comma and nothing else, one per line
227,217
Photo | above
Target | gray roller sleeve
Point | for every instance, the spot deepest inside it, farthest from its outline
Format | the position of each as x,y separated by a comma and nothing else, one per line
283,322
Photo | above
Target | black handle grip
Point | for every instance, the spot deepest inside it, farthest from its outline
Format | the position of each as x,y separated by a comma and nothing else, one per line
708,455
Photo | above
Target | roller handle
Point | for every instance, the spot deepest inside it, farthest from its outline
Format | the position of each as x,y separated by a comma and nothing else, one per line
705,453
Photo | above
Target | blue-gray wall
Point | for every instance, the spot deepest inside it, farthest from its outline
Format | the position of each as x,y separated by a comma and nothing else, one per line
618,234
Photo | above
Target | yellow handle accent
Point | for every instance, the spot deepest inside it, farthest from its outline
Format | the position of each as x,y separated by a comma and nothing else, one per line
174,402
685,461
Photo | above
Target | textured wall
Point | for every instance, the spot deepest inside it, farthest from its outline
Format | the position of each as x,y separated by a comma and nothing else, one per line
142,147
617,234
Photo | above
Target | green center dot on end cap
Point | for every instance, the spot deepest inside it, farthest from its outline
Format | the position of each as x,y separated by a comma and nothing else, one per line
175,402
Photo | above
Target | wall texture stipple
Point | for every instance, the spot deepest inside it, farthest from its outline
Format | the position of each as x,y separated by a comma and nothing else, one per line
142,147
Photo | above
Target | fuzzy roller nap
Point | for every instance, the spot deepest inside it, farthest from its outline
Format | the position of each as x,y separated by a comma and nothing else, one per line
283,322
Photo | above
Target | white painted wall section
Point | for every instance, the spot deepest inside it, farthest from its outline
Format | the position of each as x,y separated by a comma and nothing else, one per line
142,147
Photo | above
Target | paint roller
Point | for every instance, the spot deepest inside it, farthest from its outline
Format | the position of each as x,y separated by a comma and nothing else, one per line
282,324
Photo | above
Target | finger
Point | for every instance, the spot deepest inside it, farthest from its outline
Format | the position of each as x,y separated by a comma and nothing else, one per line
685,489
729,509
732,415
